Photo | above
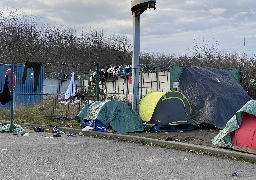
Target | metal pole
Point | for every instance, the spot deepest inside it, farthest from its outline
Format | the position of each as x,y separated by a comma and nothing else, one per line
157,79
97,83
135,62
140,83
11,97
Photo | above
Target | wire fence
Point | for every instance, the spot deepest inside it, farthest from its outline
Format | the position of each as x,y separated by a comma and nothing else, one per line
54,110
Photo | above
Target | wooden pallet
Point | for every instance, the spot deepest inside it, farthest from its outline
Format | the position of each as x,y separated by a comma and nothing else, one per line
179,127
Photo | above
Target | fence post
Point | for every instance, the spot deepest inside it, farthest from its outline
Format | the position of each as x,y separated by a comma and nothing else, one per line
11,96
97,83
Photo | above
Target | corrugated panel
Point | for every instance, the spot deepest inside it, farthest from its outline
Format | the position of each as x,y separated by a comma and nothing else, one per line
54,86
23,93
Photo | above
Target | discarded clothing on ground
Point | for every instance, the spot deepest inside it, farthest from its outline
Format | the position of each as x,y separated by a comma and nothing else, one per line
38,129
15,128
72,135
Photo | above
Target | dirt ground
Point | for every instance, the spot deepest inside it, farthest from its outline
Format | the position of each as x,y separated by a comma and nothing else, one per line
200,137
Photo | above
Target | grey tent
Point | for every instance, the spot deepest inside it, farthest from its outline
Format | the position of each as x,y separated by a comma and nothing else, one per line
113,114
215,95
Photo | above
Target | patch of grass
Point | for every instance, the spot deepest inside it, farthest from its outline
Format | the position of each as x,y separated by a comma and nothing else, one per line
44,114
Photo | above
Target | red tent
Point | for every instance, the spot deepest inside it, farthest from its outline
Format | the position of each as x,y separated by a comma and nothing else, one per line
245,136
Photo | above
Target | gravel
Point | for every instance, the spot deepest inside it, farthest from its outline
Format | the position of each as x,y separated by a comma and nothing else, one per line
40,156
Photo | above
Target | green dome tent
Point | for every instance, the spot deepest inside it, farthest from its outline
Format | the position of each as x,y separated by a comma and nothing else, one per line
165,108
113,114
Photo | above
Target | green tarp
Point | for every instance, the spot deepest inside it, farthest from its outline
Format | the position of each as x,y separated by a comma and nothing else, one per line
234,123
113,114
237,73
175,74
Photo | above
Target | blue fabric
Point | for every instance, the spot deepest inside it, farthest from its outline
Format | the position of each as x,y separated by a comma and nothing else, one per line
96,124
89,123
82,122
99,126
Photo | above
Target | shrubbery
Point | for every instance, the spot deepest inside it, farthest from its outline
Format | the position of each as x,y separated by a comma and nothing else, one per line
61,50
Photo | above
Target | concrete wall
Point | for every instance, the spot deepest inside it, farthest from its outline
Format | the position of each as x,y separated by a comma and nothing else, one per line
54,86
120,88
148,82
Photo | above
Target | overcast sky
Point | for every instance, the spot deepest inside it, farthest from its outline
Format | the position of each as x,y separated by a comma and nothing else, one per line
173,28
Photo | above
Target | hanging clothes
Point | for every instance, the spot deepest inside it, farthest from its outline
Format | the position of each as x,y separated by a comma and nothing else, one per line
36,68
71,91
5,96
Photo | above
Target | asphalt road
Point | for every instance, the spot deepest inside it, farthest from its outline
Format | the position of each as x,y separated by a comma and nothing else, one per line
39,156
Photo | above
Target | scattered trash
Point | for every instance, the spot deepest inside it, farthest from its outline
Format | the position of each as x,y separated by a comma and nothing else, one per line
4,149
81,134
110,130
48,137
69,125
25,134
57,135
168,139
39,129
185,159
235,174
63,102
55,129
87,128
181,131
72,135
